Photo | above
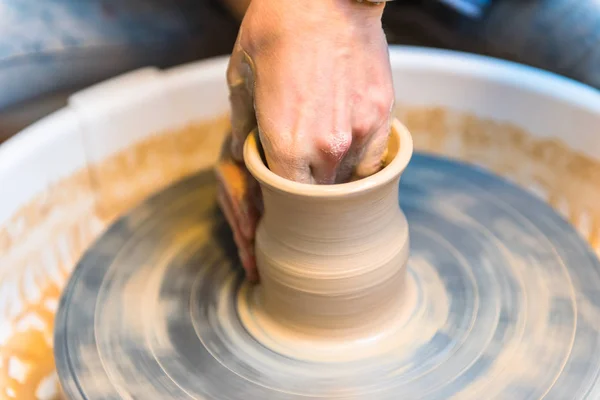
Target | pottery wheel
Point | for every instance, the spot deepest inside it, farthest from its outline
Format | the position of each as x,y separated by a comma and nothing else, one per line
506,304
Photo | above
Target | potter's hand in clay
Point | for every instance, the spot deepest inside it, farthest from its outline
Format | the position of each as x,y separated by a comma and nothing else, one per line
315,78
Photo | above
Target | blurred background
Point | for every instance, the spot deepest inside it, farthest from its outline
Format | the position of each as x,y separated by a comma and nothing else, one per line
51,48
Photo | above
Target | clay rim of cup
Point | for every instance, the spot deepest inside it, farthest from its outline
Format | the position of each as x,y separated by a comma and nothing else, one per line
404,144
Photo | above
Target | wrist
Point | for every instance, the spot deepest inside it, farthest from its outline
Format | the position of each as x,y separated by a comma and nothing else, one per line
313,15
368,7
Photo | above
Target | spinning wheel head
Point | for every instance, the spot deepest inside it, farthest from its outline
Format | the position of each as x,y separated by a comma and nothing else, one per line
504,304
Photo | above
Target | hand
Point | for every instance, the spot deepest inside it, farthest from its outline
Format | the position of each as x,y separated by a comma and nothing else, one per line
315,78
240,199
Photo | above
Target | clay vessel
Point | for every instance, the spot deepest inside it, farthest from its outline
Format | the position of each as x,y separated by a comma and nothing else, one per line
332,258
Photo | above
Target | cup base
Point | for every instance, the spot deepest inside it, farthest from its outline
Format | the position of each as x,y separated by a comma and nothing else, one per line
320,346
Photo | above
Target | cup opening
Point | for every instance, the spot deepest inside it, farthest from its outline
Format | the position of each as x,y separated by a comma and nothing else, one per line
400,148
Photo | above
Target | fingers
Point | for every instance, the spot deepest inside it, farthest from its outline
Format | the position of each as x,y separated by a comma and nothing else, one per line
315,161
303,142
242,189
371,159
242,194
285,157
331,150
371,131
361,153
245,247
240,82
239,199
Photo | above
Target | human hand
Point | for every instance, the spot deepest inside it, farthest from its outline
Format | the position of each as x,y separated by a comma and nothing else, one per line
315,78
239,197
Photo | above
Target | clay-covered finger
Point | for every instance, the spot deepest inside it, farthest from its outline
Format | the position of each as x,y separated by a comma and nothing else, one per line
301,147
242,206
283,127
248,260
286,160
242,192
330,151
371,157
226,208
245,247
240,82
371,117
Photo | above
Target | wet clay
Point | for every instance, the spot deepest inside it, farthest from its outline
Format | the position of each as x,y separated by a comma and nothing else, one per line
331,258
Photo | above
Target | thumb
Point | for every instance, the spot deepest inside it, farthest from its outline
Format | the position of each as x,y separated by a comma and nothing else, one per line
241,87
